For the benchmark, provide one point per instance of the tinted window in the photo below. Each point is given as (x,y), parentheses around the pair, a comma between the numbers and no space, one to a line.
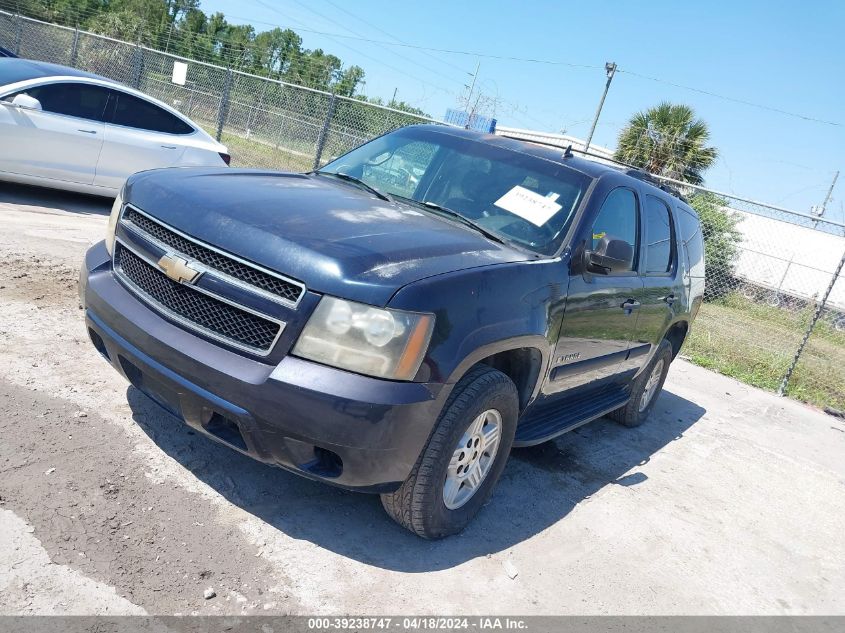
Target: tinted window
(617,218)
(79,100)
(138,113)
(693,242)
(659,235)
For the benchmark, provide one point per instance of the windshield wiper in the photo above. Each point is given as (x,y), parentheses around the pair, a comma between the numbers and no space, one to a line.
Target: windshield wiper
(457,216)
(357,181)
(452,214)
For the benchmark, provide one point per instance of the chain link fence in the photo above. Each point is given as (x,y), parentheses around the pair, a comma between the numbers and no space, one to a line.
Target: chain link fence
(774,311)
(264,122)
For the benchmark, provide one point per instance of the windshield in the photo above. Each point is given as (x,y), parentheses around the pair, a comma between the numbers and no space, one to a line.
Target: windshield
(521,198)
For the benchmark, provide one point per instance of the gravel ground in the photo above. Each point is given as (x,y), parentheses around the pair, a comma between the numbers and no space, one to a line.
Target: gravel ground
(729,500)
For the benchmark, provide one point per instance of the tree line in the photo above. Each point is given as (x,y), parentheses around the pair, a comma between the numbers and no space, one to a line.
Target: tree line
(182,28)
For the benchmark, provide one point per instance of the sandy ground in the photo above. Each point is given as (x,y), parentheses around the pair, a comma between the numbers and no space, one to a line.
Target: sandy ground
(728,501)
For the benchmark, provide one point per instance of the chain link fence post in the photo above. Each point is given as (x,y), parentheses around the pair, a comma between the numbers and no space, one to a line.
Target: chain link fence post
(18,34)
(223,110)
(74,49)
(137,66)
(324,132)
(819,308)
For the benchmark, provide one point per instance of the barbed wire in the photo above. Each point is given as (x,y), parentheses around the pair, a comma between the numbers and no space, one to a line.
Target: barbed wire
(774,310)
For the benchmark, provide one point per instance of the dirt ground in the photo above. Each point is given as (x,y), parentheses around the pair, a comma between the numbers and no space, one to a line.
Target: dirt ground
(728,501)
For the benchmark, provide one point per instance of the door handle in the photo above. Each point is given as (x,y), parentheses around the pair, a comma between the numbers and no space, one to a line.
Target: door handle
(168,146)
(87,131)
(670,299)
(629,305)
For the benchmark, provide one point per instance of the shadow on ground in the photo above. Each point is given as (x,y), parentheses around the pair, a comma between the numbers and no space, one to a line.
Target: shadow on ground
(539,487)
(26,196)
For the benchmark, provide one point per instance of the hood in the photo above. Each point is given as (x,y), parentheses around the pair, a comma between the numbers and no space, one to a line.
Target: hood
(335,237)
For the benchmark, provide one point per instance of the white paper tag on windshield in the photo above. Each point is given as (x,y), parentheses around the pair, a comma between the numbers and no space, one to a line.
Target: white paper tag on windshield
(528,205)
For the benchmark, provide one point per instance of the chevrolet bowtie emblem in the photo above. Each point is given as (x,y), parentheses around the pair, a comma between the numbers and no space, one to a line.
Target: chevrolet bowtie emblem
(178,269)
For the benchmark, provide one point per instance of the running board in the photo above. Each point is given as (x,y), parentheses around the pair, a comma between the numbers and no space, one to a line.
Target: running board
(547,422)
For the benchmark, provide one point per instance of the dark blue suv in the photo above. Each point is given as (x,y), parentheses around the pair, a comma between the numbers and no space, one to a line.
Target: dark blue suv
(398,320)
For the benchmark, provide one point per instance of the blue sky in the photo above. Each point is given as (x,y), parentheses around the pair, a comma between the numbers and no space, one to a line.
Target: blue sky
(788,56)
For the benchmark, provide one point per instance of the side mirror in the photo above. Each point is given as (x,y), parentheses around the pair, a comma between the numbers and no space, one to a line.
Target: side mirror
(612,255)
(25,101)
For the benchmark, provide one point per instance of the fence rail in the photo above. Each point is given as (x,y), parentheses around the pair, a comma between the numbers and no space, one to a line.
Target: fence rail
(774,314)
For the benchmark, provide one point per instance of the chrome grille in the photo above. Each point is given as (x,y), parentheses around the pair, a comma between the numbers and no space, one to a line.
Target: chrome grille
(194,308)
(284,289)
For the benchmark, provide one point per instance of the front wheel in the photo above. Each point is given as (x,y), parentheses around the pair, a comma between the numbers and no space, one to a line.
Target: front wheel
(455,475)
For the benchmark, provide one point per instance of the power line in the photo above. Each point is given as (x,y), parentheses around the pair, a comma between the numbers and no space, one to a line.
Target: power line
(529,60)
(391,36)
(393,52)
(733,99)
(378,61)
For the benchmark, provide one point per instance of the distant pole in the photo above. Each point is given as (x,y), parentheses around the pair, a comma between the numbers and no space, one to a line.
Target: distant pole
(393,100)
(610,69)
(823,208)
(471,90)
(824,204)
(169,35)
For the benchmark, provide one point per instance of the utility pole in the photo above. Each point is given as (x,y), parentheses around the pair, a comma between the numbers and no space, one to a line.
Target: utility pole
(393,100)
(610,69)
(829,193)
(819,211)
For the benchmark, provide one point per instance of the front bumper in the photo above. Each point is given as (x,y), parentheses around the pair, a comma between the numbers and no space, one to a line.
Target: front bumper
(349,430)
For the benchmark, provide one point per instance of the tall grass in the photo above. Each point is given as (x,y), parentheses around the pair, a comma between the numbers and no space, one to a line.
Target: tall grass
(756,343)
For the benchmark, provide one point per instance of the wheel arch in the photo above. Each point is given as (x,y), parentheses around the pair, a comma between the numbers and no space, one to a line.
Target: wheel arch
(676,335)
(524,360)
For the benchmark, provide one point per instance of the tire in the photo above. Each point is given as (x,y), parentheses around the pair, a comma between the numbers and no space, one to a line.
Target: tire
(419,504)
(749,292)
(633,414)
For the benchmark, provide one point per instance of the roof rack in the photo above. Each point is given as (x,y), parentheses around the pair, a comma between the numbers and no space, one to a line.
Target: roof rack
(631,170)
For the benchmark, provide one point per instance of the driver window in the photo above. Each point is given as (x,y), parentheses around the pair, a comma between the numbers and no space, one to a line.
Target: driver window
(617,218)
(399,172)
(79,100)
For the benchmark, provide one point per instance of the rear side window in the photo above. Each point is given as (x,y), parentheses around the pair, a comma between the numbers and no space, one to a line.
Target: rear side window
(693,241)
(617,218)
(658,235)
(130,111)
(71,99)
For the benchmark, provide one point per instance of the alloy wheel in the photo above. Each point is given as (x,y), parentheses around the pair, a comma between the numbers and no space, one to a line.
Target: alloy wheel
(472,459)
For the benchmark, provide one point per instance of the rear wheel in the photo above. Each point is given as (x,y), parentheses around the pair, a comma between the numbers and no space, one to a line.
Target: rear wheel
(455,475)
(646,388)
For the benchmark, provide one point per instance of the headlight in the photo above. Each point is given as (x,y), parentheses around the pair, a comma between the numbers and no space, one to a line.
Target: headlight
(115,213)
(360,338)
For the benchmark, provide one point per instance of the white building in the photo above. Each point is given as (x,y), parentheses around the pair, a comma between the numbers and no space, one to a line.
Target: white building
(559,140)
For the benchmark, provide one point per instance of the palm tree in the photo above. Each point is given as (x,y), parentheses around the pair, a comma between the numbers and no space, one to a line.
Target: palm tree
(668,141)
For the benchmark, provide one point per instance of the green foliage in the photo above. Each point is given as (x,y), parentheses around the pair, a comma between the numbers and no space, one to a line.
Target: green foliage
(721,242)
(668,141)
(122,25)
(396,105)
(182,28)
(727,336)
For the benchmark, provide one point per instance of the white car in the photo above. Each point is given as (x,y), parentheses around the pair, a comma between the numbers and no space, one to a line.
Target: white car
(64,128)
